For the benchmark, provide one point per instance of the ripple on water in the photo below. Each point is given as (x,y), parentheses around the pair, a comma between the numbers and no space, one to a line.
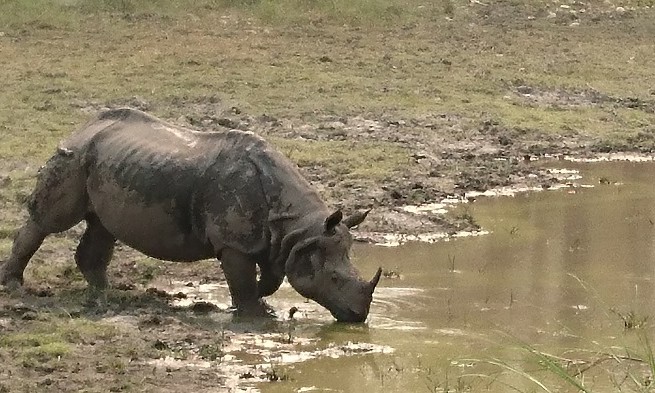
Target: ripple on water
(388,302)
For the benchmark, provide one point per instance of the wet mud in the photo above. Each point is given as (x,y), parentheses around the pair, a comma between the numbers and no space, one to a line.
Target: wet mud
(171,323)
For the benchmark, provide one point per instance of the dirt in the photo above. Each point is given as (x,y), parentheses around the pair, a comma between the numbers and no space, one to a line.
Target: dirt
(161,330)
(156,344)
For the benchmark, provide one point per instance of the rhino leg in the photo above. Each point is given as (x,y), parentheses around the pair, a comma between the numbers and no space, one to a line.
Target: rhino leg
(28,239)
(94,253)
(270,280)
(58,202)
(241,275)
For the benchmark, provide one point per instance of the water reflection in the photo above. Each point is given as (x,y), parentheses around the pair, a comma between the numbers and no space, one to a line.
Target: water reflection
(558,271)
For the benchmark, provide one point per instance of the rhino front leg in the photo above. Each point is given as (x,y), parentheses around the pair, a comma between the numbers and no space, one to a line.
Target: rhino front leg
(241,275)
(270,279)
(93,255)
(28,239)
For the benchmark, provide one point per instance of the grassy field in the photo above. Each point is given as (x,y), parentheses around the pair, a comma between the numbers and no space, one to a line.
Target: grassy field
(380,102)
(589,71)
(443,79)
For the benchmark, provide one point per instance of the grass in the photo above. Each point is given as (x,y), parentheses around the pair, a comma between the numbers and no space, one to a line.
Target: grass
(600,367)
(620,369)
(50,340)
(375,161)
(636,365)
(302,60)
(385,57)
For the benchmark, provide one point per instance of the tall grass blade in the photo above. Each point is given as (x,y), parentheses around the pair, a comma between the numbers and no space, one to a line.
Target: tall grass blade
(509,367)
(557,369)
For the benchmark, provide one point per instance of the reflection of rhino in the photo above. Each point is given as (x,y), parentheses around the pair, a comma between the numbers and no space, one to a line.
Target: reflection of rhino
(183,195)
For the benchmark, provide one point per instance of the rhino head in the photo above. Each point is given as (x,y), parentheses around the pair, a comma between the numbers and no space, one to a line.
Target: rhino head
(319,268)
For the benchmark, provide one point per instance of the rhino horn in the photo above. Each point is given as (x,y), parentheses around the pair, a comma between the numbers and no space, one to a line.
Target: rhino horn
(376,279)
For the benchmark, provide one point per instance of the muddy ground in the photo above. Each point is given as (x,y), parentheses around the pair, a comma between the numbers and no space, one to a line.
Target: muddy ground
(393,151)
(156,337)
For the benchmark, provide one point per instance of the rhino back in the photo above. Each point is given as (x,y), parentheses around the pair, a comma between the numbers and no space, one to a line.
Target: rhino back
(172,192)
(150,157)
(179,194)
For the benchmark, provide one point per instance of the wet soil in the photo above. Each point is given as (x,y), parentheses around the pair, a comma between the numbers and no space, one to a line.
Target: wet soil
(155,335)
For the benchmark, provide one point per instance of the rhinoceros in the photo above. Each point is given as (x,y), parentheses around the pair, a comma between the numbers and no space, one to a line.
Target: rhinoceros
(178,194)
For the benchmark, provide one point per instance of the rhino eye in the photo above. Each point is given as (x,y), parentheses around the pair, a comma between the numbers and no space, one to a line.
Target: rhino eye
(335,277)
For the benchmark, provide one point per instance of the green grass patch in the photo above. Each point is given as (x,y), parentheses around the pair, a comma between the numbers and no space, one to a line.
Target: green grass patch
(411,63)
(63,60)
(47,351)
(374,161)
(5,246)
(70,331)
(358,13)
(147,269)
(7,233)
(19,340)
(47,14)
(37,346)
(86,331)
(50,337)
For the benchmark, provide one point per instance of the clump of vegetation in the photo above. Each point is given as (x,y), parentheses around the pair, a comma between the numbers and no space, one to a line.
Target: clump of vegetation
(373,161)
(275,374)
(51,340)
(626,368)
(632,320)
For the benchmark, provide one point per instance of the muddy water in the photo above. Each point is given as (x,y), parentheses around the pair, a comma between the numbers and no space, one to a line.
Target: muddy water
(558,271)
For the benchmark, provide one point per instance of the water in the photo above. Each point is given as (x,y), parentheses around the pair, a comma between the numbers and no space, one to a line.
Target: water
(561,271)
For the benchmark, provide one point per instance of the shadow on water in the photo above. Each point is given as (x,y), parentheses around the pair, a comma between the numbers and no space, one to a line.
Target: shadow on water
(562,271)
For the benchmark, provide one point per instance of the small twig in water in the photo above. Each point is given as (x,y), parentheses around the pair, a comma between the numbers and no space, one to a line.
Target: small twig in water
(451,259)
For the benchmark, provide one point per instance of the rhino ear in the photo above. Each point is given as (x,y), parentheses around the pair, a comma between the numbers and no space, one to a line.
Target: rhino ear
(299,267)
(355,219)
(332,221)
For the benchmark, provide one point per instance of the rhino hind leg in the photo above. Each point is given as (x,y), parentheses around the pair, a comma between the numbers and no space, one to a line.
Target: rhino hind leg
(241,274)
(58,202)
(28,239)
(94,253)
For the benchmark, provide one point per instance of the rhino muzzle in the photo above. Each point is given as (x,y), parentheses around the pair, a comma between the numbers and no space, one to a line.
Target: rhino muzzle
(350,316)
(357,314)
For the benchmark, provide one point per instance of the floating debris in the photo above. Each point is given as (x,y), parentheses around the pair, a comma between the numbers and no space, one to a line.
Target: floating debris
(428,208)
(606,157)
(396,239)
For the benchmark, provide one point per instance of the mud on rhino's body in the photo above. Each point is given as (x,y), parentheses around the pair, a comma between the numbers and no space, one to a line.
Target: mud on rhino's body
(182,195)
